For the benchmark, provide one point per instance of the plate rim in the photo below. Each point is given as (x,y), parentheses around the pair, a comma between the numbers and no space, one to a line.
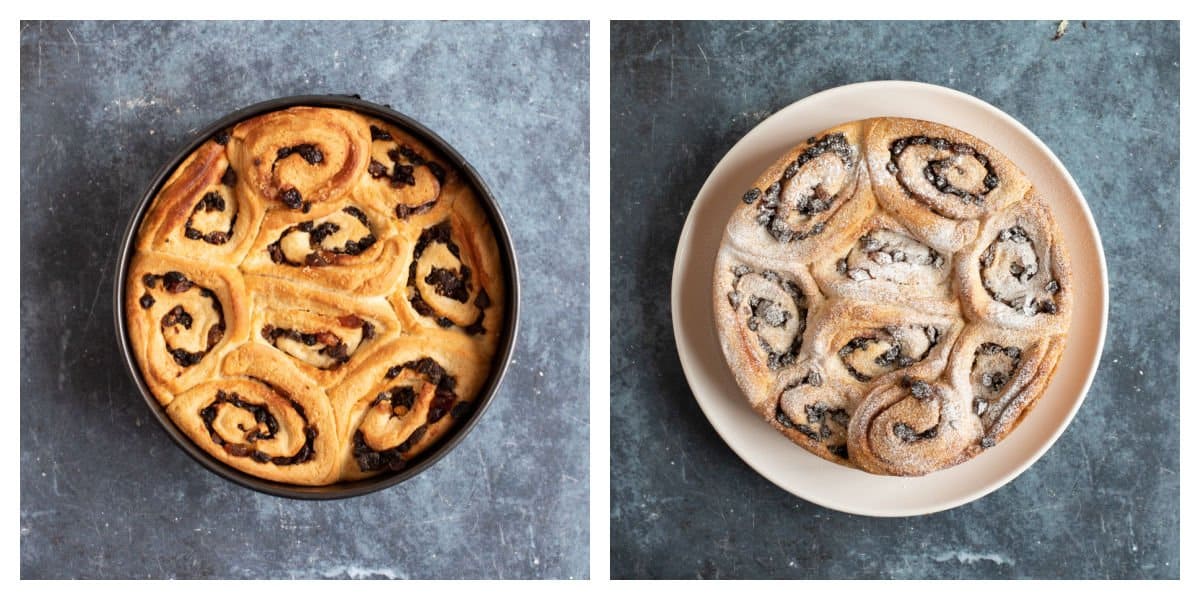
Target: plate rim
(1089,222)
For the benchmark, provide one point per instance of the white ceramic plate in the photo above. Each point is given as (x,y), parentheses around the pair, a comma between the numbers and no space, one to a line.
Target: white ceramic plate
(771,454)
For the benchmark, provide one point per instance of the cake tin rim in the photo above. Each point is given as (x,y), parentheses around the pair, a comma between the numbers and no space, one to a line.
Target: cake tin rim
(500,361)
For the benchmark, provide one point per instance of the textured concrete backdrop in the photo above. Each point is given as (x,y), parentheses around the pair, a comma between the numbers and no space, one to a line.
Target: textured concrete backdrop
(104,492)
(1103,502)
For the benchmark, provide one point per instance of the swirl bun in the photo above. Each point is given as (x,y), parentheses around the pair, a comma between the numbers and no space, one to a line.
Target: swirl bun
(892,295)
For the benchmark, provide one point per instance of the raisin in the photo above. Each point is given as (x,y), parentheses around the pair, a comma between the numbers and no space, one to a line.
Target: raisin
(175,282)
(920,390)
(309,152)
(291,197)
(376,169)
(229,178)
(482,300)
(379,134)
(447,283)
(147,300)
(752,195)
(411,155)
(402,175)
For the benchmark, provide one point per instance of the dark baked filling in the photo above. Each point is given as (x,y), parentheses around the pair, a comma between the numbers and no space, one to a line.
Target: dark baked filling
(774,309)
(213,201)
(402,172)
(822,423)
(336,351)
(887,349)
(266,426)
(941,166)
(791,207)
(174,283)
(992,370)
(312,155)
(906,432)
(318,233)
(445,401)
(453,283)
(893,256)
(1011,274)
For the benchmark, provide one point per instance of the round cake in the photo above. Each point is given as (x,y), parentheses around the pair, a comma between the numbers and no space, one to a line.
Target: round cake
(893,295)
(315,295)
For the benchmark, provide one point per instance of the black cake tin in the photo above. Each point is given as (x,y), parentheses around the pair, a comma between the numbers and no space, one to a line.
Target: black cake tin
(500,362)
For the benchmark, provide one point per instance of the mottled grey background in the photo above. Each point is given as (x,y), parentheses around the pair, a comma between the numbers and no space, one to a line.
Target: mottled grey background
(104,492)
(1102,503)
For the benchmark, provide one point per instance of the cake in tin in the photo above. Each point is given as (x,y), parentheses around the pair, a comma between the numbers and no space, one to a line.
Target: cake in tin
(893,295)
(314,296)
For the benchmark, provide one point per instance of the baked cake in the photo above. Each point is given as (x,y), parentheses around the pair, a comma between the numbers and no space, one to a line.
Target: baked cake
(315,296)
(893,295)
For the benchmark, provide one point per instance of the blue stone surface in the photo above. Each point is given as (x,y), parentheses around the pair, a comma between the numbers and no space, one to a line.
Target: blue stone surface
(1102,503)
(104,491)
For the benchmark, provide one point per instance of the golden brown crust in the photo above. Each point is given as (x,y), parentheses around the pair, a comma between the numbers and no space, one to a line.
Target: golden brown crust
(260,417)
(907,298)
(197,214)
(361,257)
(406,177)
(401,399)
(286,307)
(463,243)
(318,153)
(182,317)
(343,330)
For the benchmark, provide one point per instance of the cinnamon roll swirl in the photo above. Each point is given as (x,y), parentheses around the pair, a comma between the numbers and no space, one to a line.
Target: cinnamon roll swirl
(808,199)
(407,178)
(1017,273)
(767,307)
(182,317)
(198,213)
(919,323)
(343,245)
(402,399)
(299,157)
(938,180)
(450,281)
(316,296)
(261,417)
(911,427)
(325,335)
